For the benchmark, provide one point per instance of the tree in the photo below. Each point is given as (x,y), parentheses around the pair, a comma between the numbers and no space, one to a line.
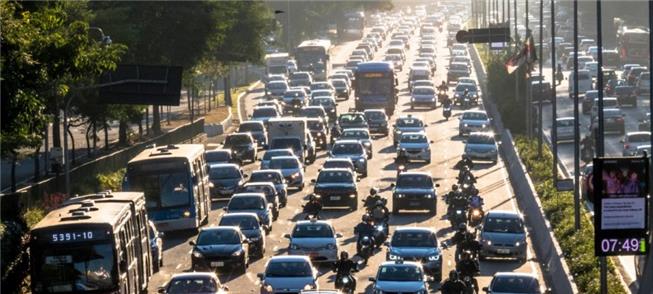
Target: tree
(46,52)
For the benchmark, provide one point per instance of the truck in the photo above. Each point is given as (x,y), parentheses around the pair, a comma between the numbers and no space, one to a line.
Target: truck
(277,63)
(292,133)
(375,87)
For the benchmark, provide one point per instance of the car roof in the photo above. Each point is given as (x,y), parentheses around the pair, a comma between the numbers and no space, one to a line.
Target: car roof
(267,171)
(416,173)
(218,151)
(255,122)
(504,213)
(282,258)
(284,157)
(348,141)
(224,165)
(515,274)
(240,214)
(221,228)
(402,263)
(356,130)
(413,229)
(313,221)
(247,195)
(373,110)
(194,275)
(475,111)
(259,184)
(424,87)
(637,133)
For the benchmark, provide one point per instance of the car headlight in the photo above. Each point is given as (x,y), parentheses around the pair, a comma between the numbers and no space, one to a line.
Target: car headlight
(483,126)
(434,257)
(331,246)
(345,280)
(197,254)
(465,125)
(367,143)
(361,160)
(517,244)
(294,247)
(400,195)
(352,196)
(186,213)
(295,175)
(237,252)
(487,242)
(428,196)
(394,257)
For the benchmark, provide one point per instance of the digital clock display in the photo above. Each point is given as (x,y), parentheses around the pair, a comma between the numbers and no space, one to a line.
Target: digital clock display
(623,245)
(75,236)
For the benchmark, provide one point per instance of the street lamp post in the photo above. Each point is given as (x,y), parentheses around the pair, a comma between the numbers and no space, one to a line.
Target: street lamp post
(106,41)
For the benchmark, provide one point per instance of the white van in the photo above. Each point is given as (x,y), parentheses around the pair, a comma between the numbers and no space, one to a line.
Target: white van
(584,82)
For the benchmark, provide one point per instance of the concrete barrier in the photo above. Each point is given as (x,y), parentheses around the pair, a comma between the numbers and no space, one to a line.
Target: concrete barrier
(547,249)
(216,129)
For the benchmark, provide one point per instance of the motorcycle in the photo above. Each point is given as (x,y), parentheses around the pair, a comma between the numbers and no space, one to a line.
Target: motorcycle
(380,233)
(467,103)
(312,211)
(476,216)
(446,111)
(457,217)
(378,211)
(365,247)
(471,285)
(346,283)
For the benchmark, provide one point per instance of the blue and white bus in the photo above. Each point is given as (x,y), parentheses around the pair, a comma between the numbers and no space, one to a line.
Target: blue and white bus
(376,86)
(314,56)
(175,181)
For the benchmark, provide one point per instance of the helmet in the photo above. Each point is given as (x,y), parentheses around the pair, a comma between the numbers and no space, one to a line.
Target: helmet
(462,227)
(454,187)
(379,202)
(312,197)
(453,275)
(374,191)
(365,218)
(344,255)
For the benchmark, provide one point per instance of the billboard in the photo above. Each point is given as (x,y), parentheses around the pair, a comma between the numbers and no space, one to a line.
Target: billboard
(621,206)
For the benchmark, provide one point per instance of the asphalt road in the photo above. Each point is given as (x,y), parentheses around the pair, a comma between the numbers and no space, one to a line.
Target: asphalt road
(447,148)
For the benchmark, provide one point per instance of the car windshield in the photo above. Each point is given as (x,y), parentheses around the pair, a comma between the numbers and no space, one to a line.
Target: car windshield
(462,87)
(216,237)
(300,76)
(335,177)
(312,112)
(414,181)
(474,116)
(639,138)
(481,139)
(339,83)
(399,273)
(324,102)
(221,172)
(277,86)
(315,125)
(413,138)
(246,203)
(312,231)
(515,284)
(217,156)
(281,269)
(503,225)
(251,127)
(265,177)
(351,118)
(337,164)
(292,143)
(423,91)
(284,163)
(414,239)
(192,285)
(349,148)
(355,134)
(264,112)
(244,223)
(267,190)
(237,139)
(410,123)
(565,123)
(375,115)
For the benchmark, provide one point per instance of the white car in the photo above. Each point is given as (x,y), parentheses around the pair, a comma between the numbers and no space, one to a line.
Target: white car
(565,128)
(415,146)
(316,239)
(632,140)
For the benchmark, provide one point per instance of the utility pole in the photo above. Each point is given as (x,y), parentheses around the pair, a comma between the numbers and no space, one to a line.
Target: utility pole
(599,142)
(529,95)
(554,101)
(576,125)
(539,111)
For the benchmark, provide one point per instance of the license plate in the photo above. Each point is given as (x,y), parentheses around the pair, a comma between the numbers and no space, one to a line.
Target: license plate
(503,251)
(414,203)
(217,263)
(335,198)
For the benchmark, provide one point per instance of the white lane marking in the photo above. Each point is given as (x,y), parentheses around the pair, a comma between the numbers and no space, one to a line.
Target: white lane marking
(178,266)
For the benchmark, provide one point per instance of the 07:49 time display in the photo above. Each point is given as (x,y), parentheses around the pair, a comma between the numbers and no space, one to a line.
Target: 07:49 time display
(614,245)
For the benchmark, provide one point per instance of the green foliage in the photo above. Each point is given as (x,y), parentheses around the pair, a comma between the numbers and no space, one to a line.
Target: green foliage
(501,86)
(111,181)
(33,215)
(577,246)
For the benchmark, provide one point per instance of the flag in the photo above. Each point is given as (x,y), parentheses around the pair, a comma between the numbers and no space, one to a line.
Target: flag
(527,55)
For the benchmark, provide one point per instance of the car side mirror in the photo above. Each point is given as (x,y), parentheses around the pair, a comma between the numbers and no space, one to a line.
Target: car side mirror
(392,185)
(287,236)
(161,290)
(338,235)
(225,208)
(486,289)
(192,243)
(371,279)
(313,181)
(261,276)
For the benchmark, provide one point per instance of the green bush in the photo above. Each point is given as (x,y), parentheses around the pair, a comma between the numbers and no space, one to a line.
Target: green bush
(33,215)
(111,181)
(577,246)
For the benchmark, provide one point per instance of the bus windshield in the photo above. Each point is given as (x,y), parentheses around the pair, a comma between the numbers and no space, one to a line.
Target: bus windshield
(166,184)
(74,268)
(374,86)
(311,59)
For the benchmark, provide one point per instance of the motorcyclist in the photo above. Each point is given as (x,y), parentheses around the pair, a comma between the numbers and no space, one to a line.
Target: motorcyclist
(447,101)
(559,76)
(464,161)
(476,201)
(461,235)
(452,285)
(313,206)
(371,199)
(457,201)
(365,228)
(344,267)
(443,86)
(465,95)
(468,267)
(381,216)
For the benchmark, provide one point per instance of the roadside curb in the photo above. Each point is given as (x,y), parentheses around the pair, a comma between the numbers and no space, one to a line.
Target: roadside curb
(241,95)
(548,251)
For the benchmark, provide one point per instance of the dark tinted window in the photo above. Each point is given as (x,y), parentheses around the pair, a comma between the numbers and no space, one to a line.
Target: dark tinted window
(515,285)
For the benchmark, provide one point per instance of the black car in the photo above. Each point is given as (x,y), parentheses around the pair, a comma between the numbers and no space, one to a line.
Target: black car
(242,146)
(626,95)
(337,187)
(348,121)
(541,93)
(218,248)
(250,226)
(319,132)
(225,178)
(377,121)
(414,191)
(271,194)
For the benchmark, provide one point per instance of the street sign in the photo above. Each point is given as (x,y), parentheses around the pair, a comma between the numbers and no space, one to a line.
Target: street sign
(565,185)
(484,35)
(621,206)
(142,84)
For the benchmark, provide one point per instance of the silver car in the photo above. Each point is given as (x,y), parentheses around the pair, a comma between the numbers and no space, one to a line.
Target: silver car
(415,146)
(291,169)
(406,124)
(400,277)
(503,235)
(360,134)
(565,129)
(632,140)
(288,274)
(423,96)
(482,146)
(354,150)
(276,89)
(265,159)
(473,121)
(315,239)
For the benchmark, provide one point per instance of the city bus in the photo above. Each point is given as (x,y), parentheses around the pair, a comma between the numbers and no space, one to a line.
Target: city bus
(175,181)
(277,63)
(633,45)
(376,86)
(352,26)
(314,56)
(94,243)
